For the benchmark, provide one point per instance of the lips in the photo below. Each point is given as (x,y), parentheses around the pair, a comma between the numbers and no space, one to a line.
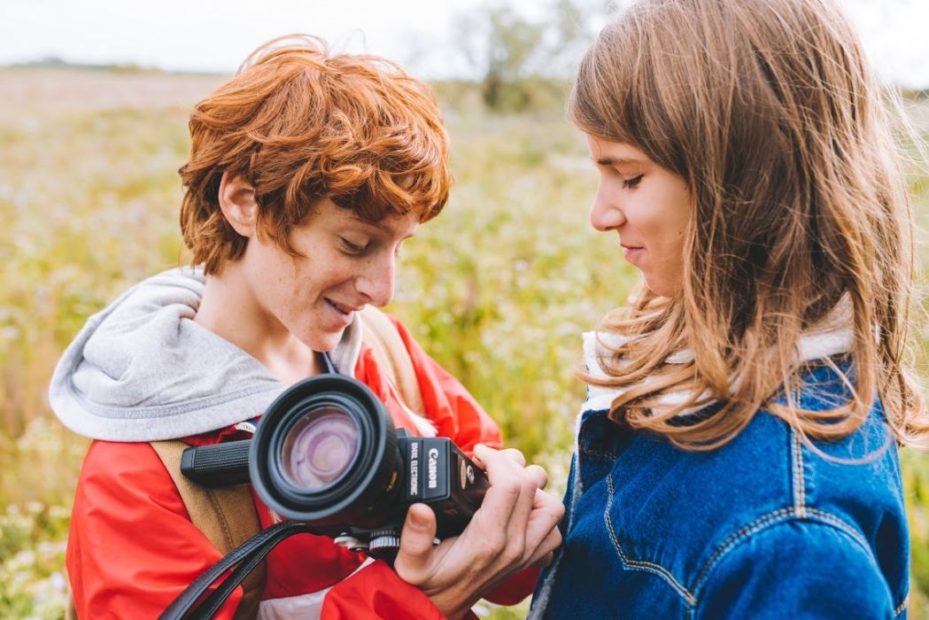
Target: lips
(633,253)
(343,308)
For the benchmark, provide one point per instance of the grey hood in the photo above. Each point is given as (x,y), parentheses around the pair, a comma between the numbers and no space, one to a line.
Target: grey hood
(142,370)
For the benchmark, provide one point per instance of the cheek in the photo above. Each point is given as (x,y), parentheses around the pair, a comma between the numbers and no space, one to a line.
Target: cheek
(673,246)
(673,221)
(326,272)
(288,282)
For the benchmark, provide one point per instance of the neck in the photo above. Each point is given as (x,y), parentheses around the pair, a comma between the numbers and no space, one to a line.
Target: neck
(232,311)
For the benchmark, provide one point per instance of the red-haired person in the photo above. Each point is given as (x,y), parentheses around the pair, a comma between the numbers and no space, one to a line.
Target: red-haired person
(307,173)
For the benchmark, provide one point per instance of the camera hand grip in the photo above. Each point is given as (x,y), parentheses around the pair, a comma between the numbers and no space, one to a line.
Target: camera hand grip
(218,465)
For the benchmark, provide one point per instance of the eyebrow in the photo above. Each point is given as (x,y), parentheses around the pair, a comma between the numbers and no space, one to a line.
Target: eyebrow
(614,161)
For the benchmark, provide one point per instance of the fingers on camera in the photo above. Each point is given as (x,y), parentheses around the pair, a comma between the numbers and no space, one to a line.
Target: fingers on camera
(515,455)
(539,475)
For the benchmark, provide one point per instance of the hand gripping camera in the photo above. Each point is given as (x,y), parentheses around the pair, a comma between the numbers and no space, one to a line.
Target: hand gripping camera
(326,453)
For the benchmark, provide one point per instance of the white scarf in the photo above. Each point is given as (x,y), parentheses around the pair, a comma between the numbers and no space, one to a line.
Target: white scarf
(831,336)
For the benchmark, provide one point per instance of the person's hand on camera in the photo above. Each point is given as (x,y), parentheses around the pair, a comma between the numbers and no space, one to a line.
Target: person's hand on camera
(516,526)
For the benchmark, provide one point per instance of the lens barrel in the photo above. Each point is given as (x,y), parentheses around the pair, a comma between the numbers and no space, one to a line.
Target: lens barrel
(326,452)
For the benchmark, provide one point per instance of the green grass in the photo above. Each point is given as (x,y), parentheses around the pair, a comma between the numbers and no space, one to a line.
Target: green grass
(498,288)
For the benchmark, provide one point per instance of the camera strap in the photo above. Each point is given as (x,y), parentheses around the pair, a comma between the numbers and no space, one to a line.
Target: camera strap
(241,560)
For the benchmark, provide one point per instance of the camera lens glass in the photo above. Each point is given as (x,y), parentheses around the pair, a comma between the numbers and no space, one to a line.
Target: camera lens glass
(319,448)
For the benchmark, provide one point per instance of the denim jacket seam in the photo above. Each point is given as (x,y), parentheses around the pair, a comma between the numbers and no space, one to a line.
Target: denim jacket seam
(600,454)
(650,567)
(800,504)
(733,540)
(777,517)
(840,524)
(799,475)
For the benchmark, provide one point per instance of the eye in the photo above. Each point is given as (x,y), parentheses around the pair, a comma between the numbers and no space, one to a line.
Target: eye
(633,182)
(353,249)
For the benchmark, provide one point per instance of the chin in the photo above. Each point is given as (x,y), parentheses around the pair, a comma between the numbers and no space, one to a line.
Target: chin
(323,343)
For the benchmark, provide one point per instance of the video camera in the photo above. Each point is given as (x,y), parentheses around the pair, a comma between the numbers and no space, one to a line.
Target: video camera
(326,453)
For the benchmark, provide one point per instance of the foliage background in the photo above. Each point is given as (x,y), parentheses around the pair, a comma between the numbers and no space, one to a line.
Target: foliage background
(498,288)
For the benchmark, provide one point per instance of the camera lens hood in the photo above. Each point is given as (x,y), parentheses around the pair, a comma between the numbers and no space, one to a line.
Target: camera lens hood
(363,480)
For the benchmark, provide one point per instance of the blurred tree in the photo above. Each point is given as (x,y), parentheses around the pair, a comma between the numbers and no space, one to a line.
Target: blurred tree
(514,56)
(501,46)
(511,45)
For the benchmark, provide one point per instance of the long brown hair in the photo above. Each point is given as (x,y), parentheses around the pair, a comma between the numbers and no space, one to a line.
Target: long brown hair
(769,112)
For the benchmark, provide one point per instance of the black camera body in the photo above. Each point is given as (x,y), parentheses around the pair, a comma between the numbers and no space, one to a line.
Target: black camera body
(440,475)
(326,453)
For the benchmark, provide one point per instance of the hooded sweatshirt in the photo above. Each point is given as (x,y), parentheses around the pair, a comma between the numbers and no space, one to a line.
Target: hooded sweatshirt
(141,370)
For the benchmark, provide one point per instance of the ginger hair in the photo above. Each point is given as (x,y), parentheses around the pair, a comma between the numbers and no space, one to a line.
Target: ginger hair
(302,125)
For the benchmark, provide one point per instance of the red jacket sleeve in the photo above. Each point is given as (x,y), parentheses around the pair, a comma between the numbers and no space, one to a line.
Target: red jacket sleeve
(132,548)
(376,591)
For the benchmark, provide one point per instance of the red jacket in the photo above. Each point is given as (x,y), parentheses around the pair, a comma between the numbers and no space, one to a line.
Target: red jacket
(132,548)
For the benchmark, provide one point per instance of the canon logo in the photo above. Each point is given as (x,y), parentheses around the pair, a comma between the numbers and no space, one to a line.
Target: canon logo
(432,467)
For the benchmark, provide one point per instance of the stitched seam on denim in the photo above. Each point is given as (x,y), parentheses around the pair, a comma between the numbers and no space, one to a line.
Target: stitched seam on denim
(797,468)
(902,606)
(733,539)
(845,526)
(774,518)
(610,456)
(650,567)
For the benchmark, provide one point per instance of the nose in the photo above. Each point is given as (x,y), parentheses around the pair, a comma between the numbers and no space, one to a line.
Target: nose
(376,282)
(605,214)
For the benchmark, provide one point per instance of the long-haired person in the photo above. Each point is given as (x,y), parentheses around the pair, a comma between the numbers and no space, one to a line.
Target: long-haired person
(737,453)
(308,170)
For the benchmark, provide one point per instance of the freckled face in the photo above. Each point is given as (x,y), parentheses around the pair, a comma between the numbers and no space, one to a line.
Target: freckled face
(648,206)
(347,263)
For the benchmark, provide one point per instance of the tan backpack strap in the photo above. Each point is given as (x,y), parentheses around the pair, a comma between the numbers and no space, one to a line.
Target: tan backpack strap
(226,516)
(382,336)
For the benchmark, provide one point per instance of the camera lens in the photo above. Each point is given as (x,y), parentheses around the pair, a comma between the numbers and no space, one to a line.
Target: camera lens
(325,452)
(319,448)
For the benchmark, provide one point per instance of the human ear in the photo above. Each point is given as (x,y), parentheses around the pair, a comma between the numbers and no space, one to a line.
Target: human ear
(238,204)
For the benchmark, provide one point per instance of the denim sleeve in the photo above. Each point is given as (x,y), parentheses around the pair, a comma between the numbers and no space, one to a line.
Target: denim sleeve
(795,570)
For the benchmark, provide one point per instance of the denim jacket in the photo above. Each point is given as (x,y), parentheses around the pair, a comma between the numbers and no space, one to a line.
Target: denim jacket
(763,527)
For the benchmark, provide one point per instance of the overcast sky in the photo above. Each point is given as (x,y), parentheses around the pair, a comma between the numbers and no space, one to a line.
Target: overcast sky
(215,35)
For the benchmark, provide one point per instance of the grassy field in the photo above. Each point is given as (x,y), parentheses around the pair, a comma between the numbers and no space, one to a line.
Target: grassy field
(497,288)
